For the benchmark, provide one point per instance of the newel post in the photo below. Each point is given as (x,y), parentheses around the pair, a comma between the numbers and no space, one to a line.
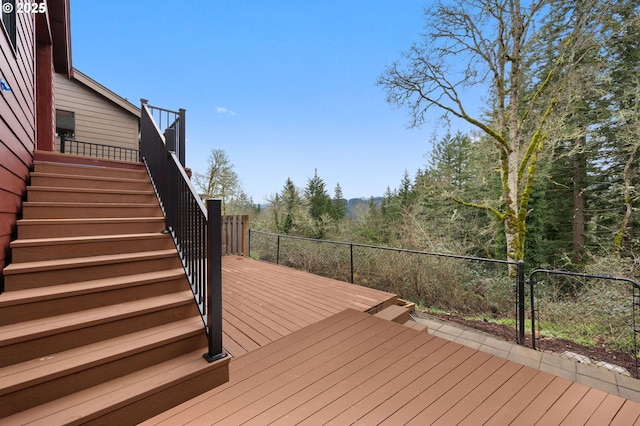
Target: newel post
(182,135)
(214,281)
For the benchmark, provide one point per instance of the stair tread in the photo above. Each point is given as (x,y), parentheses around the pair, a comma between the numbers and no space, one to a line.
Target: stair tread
(31,295)
(91,220)
(44,265)
(72,204)
(393,313)
(28,242)
(416,325)
(143,178)
(91,190)
(101,399)
(28,330)
(124,320)
(32,372)
(85,167)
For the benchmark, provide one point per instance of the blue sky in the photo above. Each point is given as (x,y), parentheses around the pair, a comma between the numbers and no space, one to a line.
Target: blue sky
(283,86)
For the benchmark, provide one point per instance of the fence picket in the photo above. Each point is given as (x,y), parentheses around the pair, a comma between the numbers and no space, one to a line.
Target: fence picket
(234,235)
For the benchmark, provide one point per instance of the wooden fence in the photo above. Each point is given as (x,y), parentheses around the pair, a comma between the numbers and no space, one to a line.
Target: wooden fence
(234,235)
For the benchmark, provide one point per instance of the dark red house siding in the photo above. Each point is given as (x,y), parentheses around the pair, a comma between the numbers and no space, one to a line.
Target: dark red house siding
(17,124)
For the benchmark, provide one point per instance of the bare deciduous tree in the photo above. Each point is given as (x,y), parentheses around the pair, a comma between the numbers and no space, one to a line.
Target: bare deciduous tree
(220,180)
(483,43)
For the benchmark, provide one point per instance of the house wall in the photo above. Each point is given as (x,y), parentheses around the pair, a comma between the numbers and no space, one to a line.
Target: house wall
(97,119)
(17,124)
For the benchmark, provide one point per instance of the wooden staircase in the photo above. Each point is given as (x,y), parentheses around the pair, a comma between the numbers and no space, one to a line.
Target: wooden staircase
(97,321)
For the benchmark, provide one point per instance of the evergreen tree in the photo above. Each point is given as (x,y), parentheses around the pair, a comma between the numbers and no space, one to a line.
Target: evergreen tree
(339,204)
(406,193)
(290,197)
(319,204)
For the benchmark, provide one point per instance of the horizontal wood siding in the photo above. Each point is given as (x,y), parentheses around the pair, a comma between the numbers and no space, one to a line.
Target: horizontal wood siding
(17,125)
(97,119)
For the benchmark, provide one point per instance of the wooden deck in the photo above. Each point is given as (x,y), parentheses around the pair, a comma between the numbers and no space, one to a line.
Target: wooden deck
(354,368)
(263,302)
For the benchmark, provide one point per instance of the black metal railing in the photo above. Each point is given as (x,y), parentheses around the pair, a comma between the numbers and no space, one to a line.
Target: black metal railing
(195,229)
(174,125)
(418,276)
(97,150)
(591,309)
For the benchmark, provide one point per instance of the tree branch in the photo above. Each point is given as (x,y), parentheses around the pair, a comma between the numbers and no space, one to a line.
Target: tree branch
(490,209)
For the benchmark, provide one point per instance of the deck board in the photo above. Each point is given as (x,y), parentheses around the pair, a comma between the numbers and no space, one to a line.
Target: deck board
(521,400)
(305,352)
(534,411)
(584,409)
(606,411)
(443,403)
(352,386)
(407,358)
(479,395)
(263,302)
(627,415)
(354,368)
(564,404)
(499,397)
(431,394)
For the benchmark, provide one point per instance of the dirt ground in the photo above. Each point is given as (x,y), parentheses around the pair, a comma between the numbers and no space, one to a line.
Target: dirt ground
(559,346)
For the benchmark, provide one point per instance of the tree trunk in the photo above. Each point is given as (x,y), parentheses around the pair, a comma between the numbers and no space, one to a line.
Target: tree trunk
(627,221)
(578,222)
(512,225)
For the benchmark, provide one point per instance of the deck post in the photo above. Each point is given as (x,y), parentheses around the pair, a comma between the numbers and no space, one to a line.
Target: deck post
(182,135)
(248,253)
(245,231)
(351,259)
(214,280)
(278,252)
(520,298)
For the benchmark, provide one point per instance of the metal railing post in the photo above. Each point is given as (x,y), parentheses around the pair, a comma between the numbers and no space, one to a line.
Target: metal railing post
(351,258)
(214,281)
(63,140)
(248,253)
(278,252)
(182,135)
(170,139)
(533,311)
(521,316)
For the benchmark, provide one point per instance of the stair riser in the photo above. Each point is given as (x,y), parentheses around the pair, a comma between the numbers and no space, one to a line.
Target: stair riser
(152,405)
(71,212)
(74,182)
(89,197)
(64,169)
(139,375)
(47,345)
(42,393)
(91,248)
(82,229)
(21,281)
(29,311)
